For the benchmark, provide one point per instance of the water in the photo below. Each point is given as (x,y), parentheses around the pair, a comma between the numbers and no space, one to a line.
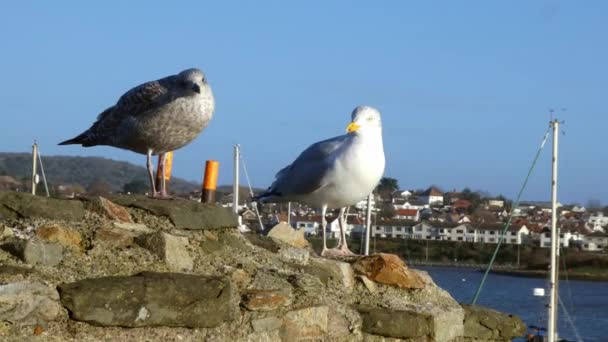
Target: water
(586,302)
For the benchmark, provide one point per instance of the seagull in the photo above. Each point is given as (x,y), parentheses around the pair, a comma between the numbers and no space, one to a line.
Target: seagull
(154,118)
(335,173)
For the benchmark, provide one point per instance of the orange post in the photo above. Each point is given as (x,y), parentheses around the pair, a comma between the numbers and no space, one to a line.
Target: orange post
(168,167)
(210,181)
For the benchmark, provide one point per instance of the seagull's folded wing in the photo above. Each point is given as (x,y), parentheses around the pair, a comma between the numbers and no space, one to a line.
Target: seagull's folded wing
(309,171)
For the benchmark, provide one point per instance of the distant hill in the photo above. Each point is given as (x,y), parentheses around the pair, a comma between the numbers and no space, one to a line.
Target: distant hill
(84,171)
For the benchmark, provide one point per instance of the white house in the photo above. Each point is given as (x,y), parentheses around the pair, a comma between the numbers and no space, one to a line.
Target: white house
(431,196)
(566,238)
(597,222)
(595,242)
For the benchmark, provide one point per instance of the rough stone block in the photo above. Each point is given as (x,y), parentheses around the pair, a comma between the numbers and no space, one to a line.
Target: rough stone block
(265,300)
(110,210)
(151,299)
(64,236)
(35,252)
(183,214)
(341,271)
(388,269)
(487,324)
(308,323)
(169,248)
(29,303)
(294,255)
(284,233)
(22,204)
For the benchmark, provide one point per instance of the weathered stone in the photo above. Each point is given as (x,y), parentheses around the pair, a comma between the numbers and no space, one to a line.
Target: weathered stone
(265,300)
(396,323)
(20,204)
(29,303)
(264,336)
(369,285)
(64,236)
(110,210)
(5,232)
(284,233)
(35,252)
(151,299)
(337,324)
(183,214)
(307,323)
(239,276)
(136,228)
(388,269)
(266,324)
(341,271)
(115,237)
(487,324)
(169,248)
(296,255)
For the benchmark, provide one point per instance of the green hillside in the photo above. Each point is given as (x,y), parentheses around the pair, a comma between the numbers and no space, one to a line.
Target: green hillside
(83,171)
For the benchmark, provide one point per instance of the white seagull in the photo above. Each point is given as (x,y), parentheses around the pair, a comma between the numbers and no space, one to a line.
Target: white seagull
(335,173)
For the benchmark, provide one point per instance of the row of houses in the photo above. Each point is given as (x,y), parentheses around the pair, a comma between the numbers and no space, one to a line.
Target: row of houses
(466,232)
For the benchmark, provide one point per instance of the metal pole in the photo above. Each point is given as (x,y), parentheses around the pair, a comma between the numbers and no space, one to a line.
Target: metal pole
(368,223)
(235,184)
(554,239)
(34,164)
(289,213)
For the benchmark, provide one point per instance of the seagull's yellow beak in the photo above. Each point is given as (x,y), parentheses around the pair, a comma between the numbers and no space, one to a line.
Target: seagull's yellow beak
(352,127)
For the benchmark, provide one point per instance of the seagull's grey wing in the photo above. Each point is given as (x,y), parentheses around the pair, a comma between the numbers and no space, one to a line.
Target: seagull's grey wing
(144,97)
(135,102)
(307,173)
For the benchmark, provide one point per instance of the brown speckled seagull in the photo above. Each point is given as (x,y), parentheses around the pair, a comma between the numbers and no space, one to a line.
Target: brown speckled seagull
(154,118)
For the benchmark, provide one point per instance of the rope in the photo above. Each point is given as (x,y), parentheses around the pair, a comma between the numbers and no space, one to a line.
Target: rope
(46,187)
(569,319)
(255,207)
(508,224)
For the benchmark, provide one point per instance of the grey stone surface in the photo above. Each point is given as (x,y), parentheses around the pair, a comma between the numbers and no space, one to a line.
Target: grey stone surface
(266,323)
(305,324)
(169,248)
(29,303)
(35,252)
(183,214)
(487,324)
(284,233)
(341,271)
(20,204)
(295,255)
(396,323)
(151,299)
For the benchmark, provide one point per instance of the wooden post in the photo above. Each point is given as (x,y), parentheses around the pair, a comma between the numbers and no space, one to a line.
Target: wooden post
(210,181)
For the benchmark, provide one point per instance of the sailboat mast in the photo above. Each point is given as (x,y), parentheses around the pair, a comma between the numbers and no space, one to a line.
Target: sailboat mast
(235,181)
(554,239)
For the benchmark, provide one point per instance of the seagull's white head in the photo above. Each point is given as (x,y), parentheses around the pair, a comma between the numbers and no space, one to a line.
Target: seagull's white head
(193,80)
(364,119)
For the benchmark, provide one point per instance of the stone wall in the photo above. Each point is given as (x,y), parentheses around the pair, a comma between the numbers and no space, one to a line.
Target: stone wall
(129,268)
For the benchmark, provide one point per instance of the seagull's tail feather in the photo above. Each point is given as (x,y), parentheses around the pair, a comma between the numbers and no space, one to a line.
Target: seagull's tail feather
(83,139)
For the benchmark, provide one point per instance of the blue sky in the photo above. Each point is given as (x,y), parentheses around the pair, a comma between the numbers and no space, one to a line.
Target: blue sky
(464,87)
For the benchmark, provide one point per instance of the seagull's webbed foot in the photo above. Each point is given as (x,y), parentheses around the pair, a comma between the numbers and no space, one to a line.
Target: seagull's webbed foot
(160,195)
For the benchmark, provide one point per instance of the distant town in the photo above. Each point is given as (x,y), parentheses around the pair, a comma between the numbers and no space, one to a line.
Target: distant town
(432,214)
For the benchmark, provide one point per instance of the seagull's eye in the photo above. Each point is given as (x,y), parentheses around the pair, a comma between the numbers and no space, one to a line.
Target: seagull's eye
(370,119)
